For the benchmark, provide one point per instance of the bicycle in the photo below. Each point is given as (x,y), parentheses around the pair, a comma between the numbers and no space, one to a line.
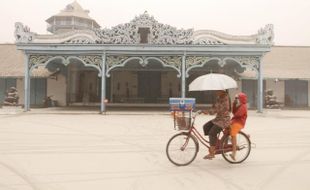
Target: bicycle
(183,147)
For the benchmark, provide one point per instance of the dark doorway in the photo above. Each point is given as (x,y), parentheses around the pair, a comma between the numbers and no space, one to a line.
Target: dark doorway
(296,93)
(89,89)
(38,88)
(249,87)
(149,86)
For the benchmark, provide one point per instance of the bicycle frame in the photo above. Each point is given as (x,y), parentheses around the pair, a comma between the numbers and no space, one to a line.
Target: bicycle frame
(204,141)
(201,139)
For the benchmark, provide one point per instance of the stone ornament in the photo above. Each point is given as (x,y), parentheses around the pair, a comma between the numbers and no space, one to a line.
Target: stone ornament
(265,35)
(11,98)
(22,33)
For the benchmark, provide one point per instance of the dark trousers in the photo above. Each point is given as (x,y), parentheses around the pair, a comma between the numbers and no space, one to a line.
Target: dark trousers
(212,130)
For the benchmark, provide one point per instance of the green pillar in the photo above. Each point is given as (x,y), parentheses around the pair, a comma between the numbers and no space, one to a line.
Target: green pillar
(183,77)
(103,86)
(26,84)
(260,88)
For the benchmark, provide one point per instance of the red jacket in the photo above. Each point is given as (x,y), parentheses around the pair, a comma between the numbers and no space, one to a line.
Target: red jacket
(240,112)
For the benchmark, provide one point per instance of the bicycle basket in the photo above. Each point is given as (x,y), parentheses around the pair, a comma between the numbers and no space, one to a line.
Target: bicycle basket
(183,123)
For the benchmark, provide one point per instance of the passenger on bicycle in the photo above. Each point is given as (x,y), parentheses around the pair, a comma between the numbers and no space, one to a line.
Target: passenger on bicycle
(240,113)
(222,120)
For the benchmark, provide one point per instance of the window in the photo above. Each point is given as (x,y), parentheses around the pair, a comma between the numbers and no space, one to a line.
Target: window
(144,34)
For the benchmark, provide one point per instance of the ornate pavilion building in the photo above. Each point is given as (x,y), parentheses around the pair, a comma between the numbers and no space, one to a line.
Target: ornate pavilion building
(140,62)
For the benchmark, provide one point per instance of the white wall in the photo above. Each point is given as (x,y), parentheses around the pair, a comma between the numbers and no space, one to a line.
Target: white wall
(58,89)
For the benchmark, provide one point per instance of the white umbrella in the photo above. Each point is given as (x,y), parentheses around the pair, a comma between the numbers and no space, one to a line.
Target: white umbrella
(213,81)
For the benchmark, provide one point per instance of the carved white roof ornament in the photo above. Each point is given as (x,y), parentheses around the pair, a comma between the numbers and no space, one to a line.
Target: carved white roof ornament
(210,37)
(159,34)
(265,35)
(22,33)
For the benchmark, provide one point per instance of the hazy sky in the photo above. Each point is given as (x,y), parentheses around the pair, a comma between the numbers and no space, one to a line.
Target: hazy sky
(291,18)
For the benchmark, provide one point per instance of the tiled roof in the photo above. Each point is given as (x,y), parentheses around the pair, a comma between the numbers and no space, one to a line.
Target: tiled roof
(12,63)
(287,62)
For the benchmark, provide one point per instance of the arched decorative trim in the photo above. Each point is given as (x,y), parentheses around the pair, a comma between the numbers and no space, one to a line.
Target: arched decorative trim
(143,61)
(247,62)
(163,64)
(43,60)
(80,39)
(116,62)
(199,63)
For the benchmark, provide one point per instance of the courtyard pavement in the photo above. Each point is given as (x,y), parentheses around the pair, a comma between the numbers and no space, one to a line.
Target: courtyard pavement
(125,150)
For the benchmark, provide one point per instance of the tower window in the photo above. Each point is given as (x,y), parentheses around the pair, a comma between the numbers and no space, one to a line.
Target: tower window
(144,34)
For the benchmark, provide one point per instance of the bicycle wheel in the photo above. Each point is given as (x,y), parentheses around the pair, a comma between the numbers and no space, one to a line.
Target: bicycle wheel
(243,148)
(182,149)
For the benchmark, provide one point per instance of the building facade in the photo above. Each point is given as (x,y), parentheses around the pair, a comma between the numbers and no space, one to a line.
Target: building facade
(141,62)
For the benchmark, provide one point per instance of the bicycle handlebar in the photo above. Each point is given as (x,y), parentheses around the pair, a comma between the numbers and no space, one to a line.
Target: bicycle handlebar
(198,112)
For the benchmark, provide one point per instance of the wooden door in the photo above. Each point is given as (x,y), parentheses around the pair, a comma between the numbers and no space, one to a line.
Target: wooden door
(37,91)
(296,93)
(149,86)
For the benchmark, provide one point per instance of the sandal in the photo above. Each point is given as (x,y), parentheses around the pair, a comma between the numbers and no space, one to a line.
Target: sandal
(209,157)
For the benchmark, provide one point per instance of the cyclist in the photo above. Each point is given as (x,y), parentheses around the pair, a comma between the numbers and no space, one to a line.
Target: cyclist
(222,120)
(240,113)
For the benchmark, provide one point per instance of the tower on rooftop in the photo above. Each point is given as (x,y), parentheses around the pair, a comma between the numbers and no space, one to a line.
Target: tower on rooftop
(73,17)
